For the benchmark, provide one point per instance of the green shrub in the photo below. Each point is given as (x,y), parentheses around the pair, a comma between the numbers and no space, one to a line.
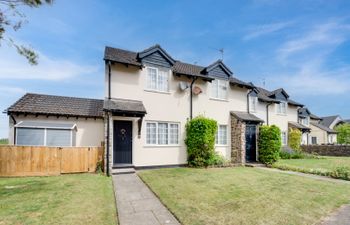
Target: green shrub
(200,141)
(294,139)
(217,160)
(343,136)
(269,143)
(341,173)
(297,155)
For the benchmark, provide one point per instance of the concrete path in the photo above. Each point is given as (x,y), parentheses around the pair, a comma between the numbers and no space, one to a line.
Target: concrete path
(340,217)
(137,205)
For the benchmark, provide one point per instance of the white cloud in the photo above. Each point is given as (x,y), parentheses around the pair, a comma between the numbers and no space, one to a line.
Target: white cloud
(323,36)
(11,90)
(265,29)
(14,66)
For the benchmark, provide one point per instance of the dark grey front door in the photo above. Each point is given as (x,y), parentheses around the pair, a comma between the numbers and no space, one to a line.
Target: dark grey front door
(122,142)
(250,142)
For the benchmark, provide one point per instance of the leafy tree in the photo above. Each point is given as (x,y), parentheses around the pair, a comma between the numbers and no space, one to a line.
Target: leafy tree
(12,18)
(343,136)
(294,139)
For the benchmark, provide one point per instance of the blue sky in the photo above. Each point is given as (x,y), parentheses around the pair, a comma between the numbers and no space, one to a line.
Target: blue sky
(302,46)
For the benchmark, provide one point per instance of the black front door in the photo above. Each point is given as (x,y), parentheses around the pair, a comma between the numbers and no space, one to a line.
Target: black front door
(122,142)
(250,142)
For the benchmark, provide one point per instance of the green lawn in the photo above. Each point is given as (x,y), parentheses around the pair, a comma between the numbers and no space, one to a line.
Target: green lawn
(66,199)
(3,141)
(244,196)
(326,166)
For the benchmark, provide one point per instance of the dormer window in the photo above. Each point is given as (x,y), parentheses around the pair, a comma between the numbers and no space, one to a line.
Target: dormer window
(157,79)
(305,121)
(253,103)
(281,108)
(219,89)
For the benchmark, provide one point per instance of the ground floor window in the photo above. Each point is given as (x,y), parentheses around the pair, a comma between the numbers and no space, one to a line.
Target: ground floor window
(221,135)
(162,133)
(45,134)
(284,137)
(314,140)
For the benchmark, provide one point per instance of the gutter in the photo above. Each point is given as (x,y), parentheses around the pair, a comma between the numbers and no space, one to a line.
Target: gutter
(248,108)
(267,113)
(108,126)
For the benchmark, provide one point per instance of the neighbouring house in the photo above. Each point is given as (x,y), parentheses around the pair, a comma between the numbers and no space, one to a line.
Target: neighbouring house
(276,108)
(47,120)
(321,133)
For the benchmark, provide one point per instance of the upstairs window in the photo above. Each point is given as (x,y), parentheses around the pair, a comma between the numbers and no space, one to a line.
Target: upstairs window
(157,79)
(305,121)
(253,103)
(219,89)
(281,108)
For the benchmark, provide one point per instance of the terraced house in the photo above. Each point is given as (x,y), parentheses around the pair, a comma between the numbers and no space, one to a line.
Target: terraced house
(149,97)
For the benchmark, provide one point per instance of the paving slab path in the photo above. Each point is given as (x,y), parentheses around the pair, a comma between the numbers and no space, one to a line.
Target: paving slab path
(340,217)
(136,203)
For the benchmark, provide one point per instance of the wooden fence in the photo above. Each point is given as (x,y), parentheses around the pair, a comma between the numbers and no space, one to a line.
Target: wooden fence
(45,161)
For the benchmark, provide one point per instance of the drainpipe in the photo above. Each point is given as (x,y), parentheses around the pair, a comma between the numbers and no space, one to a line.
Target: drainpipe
(109,79)
(248,108)
(108,126)
(14,129)
(191,97)
(267,113)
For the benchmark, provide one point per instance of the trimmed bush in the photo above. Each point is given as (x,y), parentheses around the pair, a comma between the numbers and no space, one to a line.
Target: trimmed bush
(294,139)
(269,143)
(343,136)
(297,155)
(200,141)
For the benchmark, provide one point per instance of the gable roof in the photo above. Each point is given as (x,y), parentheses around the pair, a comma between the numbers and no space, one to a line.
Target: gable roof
(153,49)
(179,68)
(322,127)
(269,96)
(328,120)
(39,104)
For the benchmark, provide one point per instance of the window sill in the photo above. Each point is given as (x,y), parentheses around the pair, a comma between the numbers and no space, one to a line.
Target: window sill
(219,99)
(161,146)
(221,145)
(159,92)
(281,114)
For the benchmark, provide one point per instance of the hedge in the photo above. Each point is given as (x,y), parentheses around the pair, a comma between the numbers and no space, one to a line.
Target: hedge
(269,143)
(200,141)
(294,139)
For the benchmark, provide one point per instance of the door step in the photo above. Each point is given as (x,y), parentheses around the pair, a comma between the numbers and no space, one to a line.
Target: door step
(123,170)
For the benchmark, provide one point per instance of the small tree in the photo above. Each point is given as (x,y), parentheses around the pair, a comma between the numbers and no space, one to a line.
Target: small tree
(200,141)
(294,139)
(343,136)
(269,143)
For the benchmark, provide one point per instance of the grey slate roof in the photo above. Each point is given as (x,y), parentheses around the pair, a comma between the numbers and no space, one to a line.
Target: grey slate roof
(328,120)
(124,106)
(180,68)
(322,127)
(267,96)
(244,116)
(313,116)
(57,105)
(298,125)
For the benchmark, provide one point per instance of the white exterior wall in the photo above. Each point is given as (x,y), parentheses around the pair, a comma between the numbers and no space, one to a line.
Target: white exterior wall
(90,132)
(173,106)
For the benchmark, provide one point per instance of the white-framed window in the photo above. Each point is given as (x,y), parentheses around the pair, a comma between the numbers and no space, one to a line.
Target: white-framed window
(314,140)
(305,121)
(281,108)
(157,79)
(162,133)
(44,136)
(219,89)
(253,103)
(221,135)
(284,137)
